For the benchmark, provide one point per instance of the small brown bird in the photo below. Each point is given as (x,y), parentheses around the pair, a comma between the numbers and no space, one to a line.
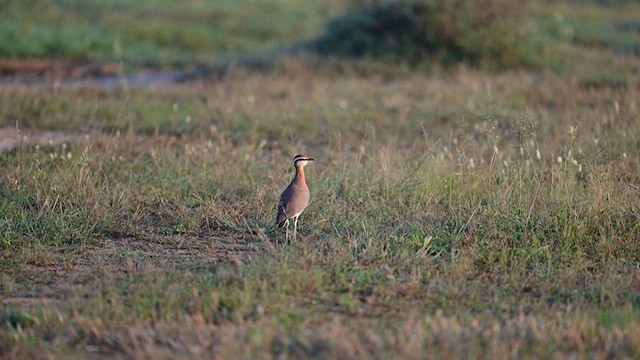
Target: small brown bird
(295,197)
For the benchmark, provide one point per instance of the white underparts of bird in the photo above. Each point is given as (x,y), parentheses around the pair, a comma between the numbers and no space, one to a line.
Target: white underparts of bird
(295,197)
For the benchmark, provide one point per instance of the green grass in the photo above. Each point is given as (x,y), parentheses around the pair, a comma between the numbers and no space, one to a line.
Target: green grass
(434,226)
(155,33)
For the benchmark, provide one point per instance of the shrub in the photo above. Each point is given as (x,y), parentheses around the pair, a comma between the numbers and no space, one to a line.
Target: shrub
(488,33)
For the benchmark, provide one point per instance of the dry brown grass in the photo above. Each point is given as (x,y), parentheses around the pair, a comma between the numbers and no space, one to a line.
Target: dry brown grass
(442,223)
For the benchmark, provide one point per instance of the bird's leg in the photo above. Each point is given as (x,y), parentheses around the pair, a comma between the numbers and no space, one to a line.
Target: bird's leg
(295,228)
(286,236)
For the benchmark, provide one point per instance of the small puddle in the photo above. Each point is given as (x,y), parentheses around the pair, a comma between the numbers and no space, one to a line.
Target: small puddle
(138,79)
(60,71)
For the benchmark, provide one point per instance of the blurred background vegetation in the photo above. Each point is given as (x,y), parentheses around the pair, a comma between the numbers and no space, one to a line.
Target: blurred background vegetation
(493,34)
(154,32)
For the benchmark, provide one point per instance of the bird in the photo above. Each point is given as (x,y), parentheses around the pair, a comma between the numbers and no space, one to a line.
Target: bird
(295,197)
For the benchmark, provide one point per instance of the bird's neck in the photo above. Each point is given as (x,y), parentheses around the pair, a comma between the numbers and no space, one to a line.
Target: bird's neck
(299,174)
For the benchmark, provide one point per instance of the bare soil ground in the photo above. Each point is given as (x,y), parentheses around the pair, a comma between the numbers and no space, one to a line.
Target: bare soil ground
(71,272)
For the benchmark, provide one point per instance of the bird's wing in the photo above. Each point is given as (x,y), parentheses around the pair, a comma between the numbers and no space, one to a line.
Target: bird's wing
(281,218)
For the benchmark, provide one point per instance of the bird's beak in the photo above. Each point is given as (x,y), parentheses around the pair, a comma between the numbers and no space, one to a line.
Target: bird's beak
(309,159)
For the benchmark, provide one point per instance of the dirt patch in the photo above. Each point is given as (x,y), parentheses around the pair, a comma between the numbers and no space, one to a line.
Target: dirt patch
(78,273)
(55,68)
(11,138)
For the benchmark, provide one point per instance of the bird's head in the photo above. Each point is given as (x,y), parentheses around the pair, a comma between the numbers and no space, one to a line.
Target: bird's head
(301,160)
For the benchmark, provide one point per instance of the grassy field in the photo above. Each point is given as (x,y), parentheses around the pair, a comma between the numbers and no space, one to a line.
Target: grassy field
(155,32)
(454,212)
